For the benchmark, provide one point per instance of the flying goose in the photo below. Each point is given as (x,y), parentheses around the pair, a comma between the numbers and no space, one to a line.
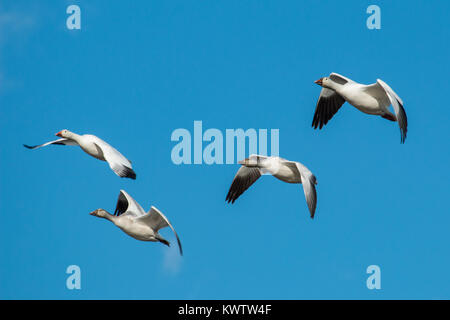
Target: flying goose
(95,147)
(134,221)
(371,99)
(288,171)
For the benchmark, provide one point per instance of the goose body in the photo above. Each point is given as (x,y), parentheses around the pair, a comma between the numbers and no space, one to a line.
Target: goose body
(131,218)
(95,147)
(361,100)
(133,228)
(373,99)
(287,171)
(90,144)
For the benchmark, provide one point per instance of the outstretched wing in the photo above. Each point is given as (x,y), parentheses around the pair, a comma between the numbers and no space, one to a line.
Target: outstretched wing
(397,104)
(308,181)
(117,162)
(127,205)
(156,220)
(244,178)
(63,142)
(328,104)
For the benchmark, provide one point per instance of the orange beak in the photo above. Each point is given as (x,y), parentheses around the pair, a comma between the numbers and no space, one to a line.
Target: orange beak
(243,161)
(58,134)
(319,82)
(92,213)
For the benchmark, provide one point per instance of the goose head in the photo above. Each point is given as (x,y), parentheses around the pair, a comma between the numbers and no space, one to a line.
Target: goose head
(250,162)
(324,82)
(63,133)
(101,213)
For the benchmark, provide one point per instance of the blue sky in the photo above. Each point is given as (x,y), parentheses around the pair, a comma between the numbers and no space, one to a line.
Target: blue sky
(137,71)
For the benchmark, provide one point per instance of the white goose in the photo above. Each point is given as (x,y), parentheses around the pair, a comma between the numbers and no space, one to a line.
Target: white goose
(288,171)
(371,99)
(134,221)
(95,147)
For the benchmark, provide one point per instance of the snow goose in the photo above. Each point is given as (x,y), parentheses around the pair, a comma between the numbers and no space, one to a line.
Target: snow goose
(371,99)
(95,147)
(288,171)
(134,221)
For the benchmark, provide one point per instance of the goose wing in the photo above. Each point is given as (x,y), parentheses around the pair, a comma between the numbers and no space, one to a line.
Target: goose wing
(329,102)
(117,162)
(63,142)
(127,205)
(336,77)
(397,104)
(157,220)
(309,182)
(244,178)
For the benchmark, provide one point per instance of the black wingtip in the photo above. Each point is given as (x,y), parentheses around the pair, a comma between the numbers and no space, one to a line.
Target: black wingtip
(122,204)
(27,146)
(230,198)
(312,213)
(164,241)
(129,173)
(402,136)
(233,194)
(179,246)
